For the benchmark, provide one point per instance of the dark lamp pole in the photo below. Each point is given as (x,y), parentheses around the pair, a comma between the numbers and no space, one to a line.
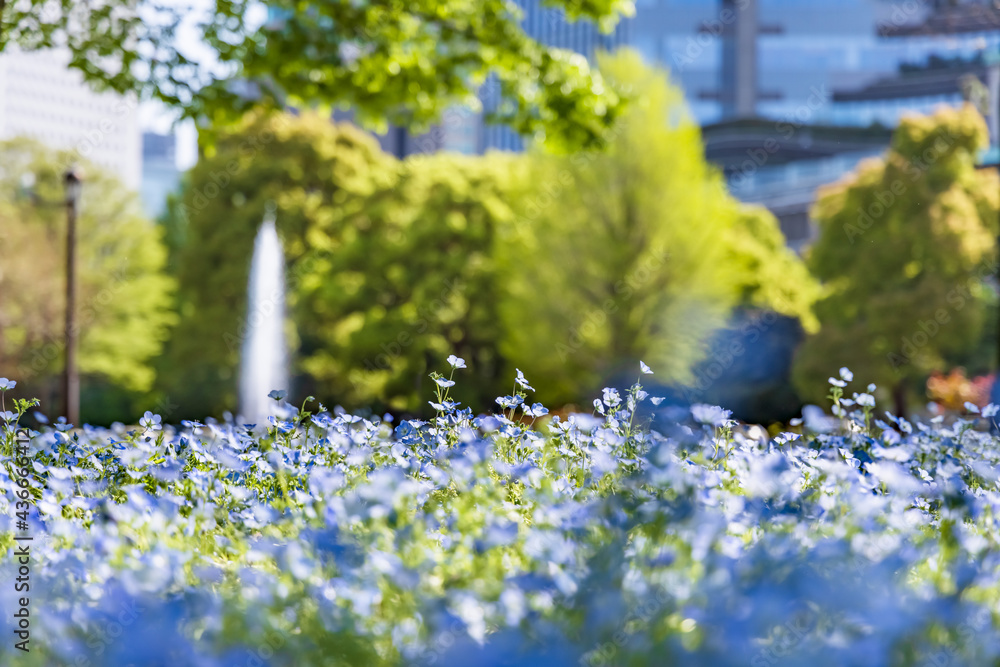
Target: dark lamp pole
(71,377)
(992,159)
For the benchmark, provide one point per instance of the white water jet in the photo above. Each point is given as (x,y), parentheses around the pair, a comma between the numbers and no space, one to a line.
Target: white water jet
(264,360)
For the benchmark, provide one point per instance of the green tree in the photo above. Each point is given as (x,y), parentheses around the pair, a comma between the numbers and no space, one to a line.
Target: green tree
(904,244)
(416,283)
(635,252)
(401,62)
(124,297)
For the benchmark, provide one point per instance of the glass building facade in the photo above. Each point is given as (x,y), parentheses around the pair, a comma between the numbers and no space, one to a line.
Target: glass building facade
(806,50)
(550,27)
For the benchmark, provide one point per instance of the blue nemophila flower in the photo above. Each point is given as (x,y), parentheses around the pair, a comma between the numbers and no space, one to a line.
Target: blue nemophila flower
(522,381)
(611,397)
(488,423)
(817,421)
(712,415)
(837,383)
(151,422)
(316,528)
(644,368)
(6,384)
(509,401)
(7,416)
(446,406)
(865,400)
(282,425)
(846,375)
(456,362)
(536,410)
(444,382)
(972,407)
(891,437)
(277,394)
(990,410)
(786,437)
(322,420)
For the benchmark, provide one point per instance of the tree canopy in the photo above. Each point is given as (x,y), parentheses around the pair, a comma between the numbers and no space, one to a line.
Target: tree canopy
(389,61)
(904,245)
(637,251)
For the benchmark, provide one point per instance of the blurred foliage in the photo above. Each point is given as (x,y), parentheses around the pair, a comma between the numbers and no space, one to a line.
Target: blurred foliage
(499,259)
(767,273)
(323,177)
(389,264)
(635,252)
(413,281)
(123,298)
(397,62)
(904,245)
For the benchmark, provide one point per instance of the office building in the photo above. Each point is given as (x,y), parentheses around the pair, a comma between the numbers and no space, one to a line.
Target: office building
(160,176)
(41,98)
(550,27)
(820,83)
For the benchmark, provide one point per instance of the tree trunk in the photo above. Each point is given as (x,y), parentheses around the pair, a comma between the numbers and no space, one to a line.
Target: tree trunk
(899,398)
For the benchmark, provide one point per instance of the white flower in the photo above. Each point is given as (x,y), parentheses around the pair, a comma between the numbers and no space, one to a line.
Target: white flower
(522,381)
(151,422)
(865,400)
(644,368)
(456,362)
(710,414)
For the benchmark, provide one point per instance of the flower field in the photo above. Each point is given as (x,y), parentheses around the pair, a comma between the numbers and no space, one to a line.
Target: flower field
(518,538)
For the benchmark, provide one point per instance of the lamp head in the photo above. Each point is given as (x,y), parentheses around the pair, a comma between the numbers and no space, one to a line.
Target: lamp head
(73,180)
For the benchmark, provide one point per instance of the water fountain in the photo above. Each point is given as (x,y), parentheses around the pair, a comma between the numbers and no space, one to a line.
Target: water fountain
(264,359)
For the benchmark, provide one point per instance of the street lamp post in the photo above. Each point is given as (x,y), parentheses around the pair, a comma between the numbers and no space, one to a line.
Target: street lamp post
(73,184)
(992,159)
(71,376)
